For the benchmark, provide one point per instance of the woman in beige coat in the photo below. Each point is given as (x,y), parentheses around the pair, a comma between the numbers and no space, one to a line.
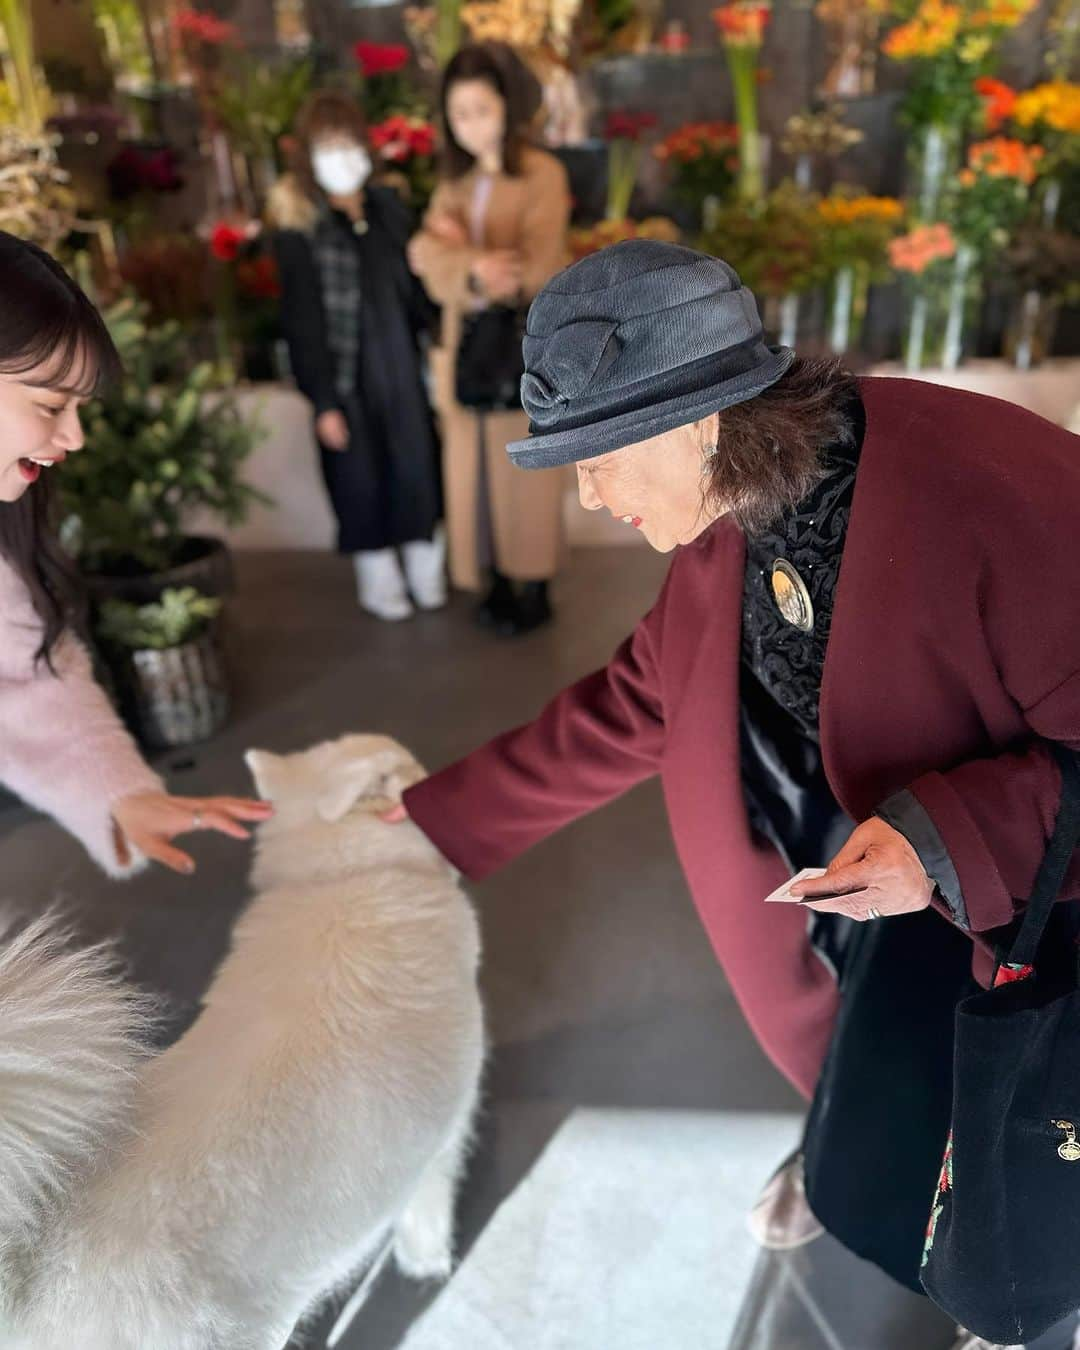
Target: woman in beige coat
(495,233)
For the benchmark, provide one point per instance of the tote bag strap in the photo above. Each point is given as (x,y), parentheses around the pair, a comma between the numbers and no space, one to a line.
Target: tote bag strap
(1055,863)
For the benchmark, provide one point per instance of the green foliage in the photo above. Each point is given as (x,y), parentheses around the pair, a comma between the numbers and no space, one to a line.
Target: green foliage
(258,103)
(777,245)
(161,444)
(122,25)
(178,617)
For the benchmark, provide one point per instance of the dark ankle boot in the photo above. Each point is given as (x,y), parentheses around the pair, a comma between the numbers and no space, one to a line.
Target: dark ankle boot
(532,610)
(499,606)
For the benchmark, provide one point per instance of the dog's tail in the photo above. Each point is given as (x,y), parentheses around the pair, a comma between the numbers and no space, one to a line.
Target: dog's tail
(72,1035)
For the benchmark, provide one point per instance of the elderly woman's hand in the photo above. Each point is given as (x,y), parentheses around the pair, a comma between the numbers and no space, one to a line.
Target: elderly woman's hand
(876,869)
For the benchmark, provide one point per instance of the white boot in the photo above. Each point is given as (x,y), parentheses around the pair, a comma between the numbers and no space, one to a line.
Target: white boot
(380,585)
(781,1220)
(425,567)
(967,1340)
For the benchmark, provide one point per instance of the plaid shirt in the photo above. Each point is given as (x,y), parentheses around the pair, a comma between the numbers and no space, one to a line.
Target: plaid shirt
(338,261)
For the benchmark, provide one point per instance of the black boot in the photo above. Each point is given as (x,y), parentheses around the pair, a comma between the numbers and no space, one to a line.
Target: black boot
(499,606)
(532,610)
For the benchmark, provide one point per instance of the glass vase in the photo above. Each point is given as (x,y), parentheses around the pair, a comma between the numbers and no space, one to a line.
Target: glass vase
(1029,335)
(794,318)
(848,294)
(933,161)
(942,312)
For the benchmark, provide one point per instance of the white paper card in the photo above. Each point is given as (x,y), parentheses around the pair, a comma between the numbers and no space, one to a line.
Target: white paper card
(783,893)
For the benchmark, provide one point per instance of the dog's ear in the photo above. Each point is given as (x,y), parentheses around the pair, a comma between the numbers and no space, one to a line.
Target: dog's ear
(377,780)
(337,801)
(265,769)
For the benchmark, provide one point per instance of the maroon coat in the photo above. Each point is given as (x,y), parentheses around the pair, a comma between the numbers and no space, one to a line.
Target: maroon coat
(955,639)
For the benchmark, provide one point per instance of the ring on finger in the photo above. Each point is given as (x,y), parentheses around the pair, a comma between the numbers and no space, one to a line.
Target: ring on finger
(196,819)
(873,913)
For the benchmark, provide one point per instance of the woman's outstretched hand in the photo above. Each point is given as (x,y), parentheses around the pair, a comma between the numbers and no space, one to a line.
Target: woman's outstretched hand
(877,868)
(150,821)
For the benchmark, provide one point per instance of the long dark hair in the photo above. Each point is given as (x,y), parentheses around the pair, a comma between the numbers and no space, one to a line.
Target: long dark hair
(45,317)
(769,452)
(499,66)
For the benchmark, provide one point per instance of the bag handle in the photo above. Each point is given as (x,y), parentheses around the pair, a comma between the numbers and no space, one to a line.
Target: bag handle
(1055,863)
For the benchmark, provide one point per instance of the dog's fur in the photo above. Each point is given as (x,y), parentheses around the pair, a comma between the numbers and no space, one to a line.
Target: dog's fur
(206,1198)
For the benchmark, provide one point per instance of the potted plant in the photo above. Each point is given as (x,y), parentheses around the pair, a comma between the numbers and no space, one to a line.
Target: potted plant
(164,443)
(166,665)
(778,246)
(858,229)
(703,160)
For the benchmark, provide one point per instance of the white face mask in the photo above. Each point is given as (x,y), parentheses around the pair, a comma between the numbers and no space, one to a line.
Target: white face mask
(341,169)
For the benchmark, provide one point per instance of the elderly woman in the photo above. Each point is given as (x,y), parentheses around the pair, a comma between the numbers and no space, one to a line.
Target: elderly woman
(867,634)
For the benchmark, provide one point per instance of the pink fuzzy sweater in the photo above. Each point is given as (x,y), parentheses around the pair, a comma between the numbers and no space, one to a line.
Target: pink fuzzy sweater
(62,747)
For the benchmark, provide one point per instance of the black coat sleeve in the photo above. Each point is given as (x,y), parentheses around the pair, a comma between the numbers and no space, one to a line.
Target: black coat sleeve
(303,321)
(399,221)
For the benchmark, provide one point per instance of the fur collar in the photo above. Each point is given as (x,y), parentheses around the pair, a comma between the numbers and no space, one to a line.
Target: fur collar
(288,206)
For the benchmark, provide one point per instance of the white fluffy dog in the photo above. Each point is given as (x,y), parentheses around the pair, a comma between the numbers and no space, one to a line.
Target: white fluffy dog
(320,1106)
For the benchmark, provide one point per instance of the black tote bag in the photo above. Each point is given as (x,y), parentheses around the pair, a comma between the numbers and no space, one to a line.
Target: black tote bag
(1003,1248)
(490,363)
(880,1115)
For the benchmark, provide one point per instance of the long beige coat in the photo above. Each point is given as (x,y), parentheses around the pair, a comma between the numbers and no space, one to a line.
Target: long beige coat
(529,213)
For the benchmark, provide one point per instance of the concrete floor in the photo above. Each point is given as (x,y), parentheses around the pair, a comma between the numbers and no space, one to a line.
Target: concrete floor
(599,984)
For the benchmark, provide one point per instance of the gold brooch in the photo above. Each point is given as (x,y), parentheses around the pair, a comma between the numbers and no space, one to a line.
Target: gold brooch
(792,597)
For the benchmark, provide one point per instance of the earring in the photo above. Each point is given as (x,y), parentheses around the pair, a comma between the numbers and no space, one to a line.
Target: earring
(708,454)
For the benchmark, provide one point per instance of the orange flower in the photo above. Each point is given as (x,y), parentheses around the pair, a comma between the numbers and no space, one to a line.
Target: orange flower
(1002,14)
(847,210)
(691,142)
(999,100)
(742,24)
(1003,157)
(927,244)
(932,30)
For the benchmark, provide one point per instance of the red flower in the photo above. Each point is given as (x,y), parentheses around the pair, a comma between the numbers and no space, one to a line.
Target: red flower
(226,242)
(205,28)
(399,138)
(999,99)
(628,126)
(376,58)
(133,170)
(259,278)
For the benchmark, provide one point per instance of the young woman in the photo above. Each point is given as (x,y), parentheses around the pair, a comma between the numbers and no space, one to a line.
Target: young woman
(494,234)
(62,748)
(354,315)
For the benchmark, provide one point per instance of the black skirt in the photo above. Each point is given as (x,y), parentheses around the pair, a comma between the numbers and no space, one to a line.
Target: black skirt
(386,488)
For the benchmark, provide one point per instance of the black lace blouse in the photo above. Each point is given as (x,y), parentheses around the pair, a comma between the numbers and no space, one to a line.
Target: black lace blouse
(789,799)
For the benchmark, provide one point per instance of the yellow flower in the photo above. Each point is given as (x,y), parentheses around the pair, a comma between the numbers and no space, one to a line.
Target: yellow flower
(973,49)
(838,210)
(932,31)
(1056,105)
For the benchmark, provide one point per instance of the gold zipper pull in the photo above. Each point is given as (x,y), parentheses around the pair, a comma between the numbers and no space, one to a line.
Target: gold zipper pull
(1070,1149)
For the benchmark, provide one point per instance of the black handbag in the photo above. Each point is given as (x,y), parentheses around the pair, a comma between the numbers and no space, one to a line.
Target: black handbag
(1002,1252)
(880,1114)
(490,363)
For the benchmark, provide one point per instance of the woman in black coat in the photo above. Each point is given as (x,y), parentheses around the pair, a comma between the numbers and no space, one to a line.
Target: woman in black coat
(354,317)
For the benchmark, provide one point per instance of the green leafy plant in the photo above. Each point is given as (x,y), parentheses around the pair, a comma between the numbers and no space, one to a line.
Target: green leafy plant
(778,246)
(258,103)
(178,617)
(17,36)
(161,444)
